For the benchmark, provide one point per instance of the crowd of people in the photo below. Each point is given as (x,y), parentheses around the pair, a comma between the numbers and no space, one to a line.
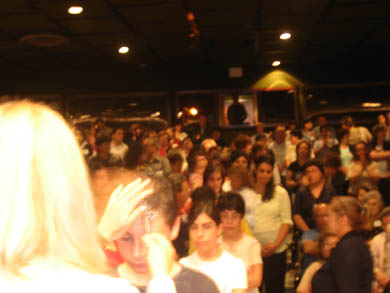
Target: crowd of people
(176,211)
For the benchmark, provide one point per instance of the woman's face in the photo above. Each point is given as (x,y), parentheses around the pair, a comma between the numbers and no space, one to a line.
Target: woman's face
(236,182)
(303,150)
(374,207)
(201,164)
(264,173)
(215,182)
(204,233)
(329,243)
(240,162)
(361,151)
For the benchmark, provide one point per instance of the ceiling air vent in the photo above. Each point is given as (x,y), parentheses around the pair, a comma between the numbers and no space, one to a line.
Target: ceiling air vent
(44,40)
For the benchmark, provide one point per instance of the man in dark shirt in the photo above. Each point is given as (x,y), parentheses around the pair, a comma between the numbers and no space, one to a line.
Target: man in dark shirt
(316,192)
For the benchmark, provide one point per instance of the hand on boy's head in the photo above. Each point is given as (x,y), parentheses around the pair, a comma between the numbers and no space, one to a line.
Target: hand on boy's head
(123,208)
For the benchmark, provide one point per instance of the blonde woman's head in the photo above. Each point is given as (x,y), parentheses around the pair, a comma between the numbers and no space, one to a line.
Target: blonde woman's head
(46,207)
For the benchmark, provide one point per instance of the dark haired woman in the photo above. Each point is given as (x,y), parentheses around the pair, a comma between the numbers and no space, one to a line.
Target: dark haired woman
(205,227)
(349,268)
(273,222)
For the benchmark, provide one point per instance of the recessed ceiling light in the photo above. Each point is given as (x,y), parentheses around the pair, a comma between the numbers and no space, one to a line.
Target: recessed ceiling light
(323,102)
(75,10)
(123,50)
(371,105)
(285,36)
(276,63)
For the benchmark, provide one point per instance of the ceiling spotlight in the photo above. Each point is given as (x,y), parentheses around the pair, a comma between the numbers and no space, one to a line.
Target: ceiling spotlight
(285,36)
(276,63)
(75,10)
(371,104)
(193,111)
(123,50)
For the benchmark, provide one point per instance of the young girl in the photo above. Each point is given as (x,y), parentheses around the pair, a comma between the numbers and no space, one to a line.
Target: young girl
(227,271)
(235,241)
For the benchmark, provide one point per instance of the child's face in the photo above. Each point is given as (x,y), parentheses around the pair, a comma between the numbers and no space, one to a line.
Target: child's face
(231,222)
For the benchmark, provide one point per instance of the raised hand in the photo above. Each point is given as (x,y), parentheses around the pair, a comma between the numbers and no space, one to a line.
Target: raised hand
(123,208)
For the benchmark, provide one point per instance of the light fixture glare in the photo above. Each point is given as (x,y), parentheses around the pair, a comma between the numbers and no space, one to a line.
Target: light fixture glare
(123,50)
(285,36)
(75,10)
(276,63)
(371,104)
(193,111)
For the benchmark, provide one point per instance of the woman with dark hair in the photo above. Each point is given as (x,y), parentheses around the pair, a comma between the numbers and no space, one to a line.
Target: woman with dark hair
(362,169)
(349,268)
(344,149)
(334,175)
(205,227)
(295,177)
(239,159)
(273,222)
(213,177)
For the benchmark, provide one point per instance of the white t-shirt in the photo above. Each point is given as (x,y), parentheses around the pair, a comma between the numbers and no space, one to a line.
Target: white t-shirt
(227,271)
(305,283)
(118,152)
(248,249)
(45,277)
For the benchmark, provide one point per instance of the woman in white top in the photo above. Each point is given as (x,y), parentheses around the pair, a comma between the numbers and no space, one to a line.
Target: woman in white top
(227,271)
(48,233)
(272,224)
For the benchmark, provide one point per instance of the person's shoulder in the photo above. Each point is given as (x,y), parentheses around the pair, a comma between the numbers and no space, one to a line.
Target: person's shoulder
(249,240)
(190,259)
(380,238)
(190,280)
(281,191)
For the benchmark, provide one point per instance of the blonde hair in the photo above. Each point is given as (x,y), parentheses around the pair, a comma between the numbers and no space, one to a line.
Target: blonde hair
(46,206)
(350,207)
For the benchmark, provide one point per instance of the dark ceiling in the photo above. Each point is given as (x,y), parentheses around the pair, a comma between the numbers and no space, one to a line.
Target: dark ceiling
(223,33)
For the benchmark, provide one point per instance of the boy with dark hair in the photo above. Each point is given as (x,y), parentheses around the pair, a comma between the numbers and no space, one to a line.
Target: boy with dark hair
(157,213)
(248,249)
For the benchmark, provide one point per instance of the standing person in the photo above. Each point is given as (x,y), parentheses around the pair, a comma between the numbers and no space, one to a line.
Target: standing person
(235,241)
(48,234)
(210,258)
(317,191)
(118,148)
(280,146)
(344,150)
(349,268)
(307,131)
(296,177)
(272,225)
(323,145)
(356,133)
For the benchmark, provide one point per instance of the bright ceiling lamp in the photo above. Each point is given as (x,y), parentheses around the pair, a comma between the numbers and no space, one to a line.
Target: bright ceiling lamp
(123,50)
(276,63)
(75,9)
(285,36)
(193,111)
(371,104)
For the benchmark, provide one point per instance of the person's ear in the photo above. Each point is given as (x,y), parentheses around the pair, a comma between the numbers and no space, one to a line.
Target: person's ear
(175,229)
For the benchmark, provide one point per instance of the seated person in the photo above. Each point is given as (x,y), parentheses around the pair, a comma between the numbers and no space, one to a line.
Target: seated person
(235,241)
(309,239)
(326,243)
(157,214)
